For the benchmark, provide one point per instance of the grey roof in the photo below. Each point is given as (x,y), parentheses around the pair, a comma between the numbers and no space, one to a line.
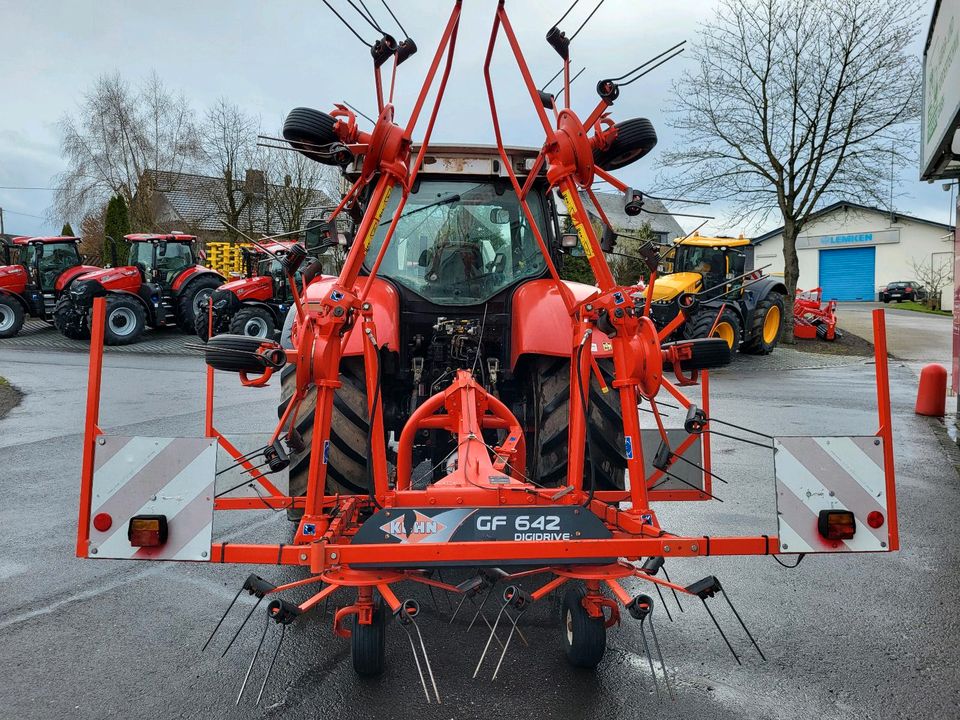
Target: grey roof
(193,199)
(654,213)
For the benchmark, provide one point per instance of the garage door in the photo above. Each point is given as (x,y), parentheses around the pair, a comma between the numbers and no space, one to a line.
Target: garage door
(848,274)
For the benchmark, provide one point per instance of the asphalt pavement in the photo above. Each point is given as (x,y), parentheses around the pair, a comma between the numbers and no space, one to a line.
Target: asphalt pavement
(864,636)
(913,336)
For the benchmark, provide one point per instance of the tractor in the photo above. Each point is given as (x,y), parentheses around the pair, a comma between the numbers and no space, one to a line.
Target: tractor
(255,304)
(161,286)
(719,299)
(36,272)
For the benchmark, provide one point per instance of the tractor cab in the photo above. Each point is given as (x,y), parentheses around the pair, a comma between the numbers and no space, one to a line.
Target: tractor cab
(260,264)
(161,259)
(46,258)
(699,263)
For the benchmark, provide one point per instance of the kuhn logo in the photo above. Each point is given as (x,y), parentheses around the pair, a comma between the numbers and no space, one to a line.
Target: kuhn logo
(412,527)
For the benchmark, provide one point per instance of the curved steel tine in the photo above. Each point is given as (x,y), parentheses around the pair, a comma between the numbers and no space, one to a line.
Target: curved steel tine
(416,659)
(493,631)
(426,660)
(662,603)
(742,623)
(276,652)
(720,630)
(663,665)
(229,644)
(253,659)
(480,609)
(446,594)
(675,596)
(459,605)
(503,654)
(222,618)
(646,650)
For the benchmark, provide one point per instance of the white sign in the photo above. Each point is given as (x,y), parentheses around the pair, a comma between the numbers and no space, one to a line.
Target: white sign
(941,84)
(876,237)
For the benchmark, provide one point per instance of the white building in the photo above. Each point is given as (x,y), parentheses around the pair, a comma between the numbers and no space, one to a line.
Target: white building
(851,251)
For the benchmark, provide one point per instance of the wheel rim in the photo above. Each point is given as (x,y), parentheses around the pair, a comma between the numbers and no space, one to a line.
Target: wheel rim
(725,330)
(6,317)
(771,324)
(569,624)
(255,327)
(201,301)
(122,321)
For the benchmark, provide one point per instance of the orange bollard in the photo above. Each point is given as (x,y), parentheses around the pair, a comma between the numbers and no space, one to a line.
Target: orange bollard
(932,393)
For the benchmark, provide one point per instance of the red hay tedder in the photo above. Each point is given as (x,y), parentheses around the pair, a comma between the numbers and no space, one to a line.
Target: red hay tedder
(537,379)
(812,319)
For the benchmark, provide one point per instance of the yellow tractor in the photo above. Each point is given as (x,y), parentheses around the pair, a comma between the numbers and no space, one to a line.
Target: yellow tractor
(706,275)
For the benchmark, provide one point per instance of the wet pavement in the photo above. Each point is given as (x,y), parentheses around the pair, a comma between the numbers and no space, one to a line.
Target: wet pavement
(866,636)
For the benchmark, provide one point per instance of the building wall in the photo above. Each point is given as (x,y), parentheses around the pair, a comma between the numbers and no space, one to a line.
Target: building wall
(919,242)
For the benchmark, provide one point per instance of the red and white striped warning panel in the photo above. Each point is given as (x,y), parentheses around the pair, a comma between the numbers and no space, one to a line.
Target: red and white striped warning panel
(815,475)
(153,498)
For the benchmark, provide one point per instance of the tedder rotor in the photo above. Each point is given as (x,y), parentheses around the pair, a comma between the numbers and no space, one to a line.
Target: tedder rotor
(449,340)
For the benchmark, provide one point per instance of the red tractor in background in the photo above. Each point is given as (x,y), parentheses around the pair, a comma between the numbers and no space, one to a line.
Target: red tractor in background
(36,272)
(162,285)
(257,303)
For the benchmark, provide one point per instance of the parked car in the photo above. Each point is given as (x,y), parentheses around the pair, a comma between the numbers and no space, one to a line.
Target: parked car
(903,290)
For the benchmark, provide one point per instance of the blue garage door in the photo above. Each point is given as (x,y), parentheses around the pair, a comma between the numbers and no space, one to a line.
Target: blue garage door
(848,274)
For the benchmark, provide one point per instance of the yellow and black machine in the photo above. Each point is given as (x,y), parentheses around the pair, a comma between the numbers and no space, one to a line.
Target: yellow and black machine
(705,276)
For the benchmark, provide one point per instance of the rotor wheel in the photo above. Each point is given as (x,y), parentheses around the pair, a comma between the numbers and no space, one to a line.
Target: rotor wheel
(310,132)
(548,418)
(253,321)
(11,316)
(706,323)
(125,320)
(584,638)
(767,325)
(368,643)
(70,320)
(192,302)
(635,138)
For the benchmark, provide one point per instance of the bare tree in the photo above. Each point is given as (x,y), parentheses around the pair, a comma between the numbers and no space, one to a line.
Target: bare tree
(795,104)
(934,274)
(297,184)
(116,134)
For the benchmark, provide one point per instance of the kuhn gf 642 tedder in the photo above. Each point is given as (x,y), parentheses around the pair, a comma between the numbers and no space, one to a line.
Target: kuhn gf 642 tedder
(450,331)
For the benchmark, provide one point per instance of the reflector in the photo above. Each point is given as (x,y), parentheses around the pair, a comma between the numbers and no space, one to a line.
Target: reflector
(836,524)
(147,530)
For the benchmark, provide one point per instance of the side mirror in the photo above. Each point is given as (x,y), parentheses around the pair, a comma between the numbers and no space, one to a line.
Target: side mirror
(424,259)
(499,216)
(569,240)
(499,262)
(202,254)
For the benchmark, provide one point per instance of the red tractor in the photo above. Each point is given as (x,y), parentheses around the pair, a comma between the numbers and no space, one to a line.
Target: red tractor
(35,272)
(161,286)
(256,304)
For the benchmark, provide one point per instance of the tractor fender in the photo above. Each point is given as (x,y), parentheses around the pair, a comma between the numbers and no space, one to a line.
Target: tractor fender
(541,324)
(195,271)
(16,296)
(278,317)
(758,291)
(71,274)
(386,312)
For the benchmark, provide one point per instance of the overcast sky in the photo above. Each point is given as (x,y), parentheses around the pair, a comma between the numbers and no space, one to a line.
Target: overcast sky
(269,57)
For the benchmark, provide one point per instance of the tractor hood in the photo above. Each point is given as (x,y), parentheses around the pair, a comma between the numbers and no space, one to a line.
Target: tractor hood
(669,286)
(118,278)
(254,288)
(13,278)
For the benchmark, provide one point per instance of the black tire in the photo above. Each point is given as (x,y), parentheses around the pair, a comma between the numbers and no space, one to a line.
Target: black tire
(548,417)
(635,138)
(822,332)
(886,300)
(125,320)
(708,353)
(309,132)
(236,353)
(197,292)
(584,638)
(347,456)
(756,343)
(701,323)
(254,321)
(11,316)
(71,320)
(368,643)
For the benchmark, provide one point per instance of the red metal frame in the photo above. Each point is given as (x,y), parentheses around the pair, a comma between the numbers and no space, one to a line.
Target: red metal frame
(322,332)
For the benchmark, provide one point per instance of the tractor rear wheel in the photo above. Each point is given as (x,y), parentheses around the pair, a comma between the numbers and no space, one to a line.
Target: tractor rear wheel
(193,301)
(584,637)
(70,320)
(635,138)
(125,320)
(767,325)
(548,417)
(706,323)
(368,643)
(253,321)
(11,316)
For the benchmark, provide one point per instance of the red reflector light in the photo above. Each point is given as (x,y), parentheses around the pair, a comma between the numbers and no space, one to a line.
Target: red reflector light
(836,524)
(147,530)
(875,519)
(102,521)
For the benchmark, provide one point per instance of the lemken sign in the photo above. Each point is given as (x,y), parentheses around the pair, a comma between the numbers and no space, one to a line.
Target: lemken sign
(877,237)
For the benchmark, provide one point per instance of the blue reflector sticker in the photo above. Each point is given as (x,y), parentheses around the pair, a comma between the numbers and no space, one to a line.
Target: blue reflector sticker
(618,298)
(628,446)
(309,529)
(326,451)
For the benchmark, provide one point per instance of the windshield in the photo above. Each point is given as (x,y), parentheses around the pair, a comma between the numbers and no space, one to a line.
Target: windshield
(141,255)
(51,259)
(704,260)
(460,242)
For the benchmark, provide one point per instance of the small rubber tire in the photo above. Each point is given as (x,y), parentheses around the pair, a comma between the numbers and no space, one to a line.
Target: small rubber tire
(228,353)
(308,130)
(708,354)
(755,343)
(368,643)
(131,311)
(584,638)
(635,138)
(70,320)
(11,316)
(254,317)
(700,325)
(197,290)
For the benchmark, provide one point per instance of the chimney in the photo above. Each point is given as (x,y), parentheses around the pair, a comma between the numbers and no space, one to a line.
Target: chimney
(255,183)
